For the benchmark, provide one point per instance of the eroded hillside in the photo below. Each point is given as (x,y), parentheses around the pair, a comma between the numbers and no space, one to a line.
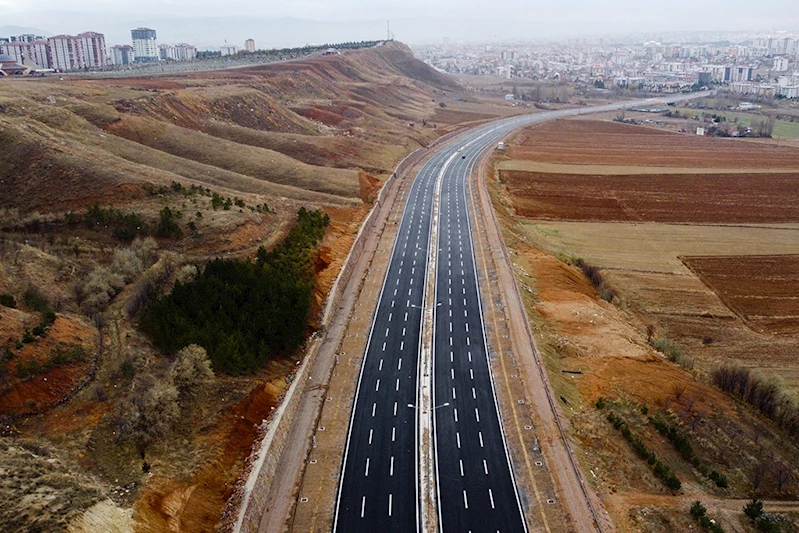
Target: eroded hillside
(111,190)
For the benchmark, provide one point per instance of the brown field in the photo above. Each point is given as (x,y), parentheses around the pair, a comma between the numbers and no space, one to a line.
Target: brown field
(669,198)
(763,290)
(698,239)
(591,142)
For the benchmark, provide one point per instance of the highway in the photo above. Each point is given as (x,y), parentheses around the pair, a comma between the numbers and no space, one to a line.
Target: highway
(379,488)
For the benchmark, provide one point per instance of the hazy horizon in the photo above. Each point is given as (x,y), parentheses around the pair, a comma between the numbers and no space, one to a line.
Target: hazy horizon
(286,23)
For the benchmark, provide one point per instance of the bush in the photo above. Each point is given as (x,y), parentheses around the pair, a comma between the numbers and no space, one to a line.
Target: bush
(600,403)
(754,509)
(126,264)
(765,395)
(8,300)
(698,510)
(167,225)
(190,367)
(127,369)
(100,287)
(34,299)
(660,470)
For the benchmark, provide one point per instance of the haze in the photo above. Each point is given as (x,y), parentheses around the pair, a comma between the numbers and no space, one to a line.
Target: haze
(412,21)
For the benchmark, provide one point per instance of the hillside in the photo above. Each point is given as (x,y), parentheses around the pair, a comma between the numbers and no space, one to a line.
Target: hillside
(111,190)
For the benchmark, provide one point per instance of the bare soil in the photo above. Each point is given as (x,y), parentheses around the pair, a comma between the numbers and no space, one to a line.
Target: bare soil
(763,290)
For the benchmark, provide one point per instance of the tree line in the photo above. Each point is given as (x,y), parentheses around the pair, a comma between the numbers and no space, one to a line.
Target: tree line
(243,312)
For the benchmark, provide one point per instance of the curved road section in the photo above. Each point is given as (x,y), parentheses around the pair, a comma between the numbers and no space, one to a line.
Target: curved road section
(475,490)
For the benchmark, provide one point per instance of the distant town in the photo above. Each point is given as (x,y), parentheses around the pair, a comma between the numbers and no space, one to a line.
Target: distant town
(764,66)
(29,53)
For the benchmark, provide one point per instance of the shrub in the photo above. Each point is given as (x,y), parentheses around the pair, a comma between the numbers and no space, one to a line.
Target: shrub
(34,299)
(600,403)
(698,510)
(127,369)
(167,225)
(27,369)
(126,264)
(145,249)
(190,367)
(8,300)
(754,509)
(48,317)
(38,330)
(100,287)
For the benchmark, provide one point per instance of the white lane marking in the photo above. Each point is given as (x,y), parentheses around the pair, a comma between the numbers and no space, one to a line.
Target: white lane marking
(387,330)
(393,433)
(467,328)
(455,411)
(389,504)
(453,393)
(480,435)
(366,472)
(377,385)
(451,357)
(406,316)
(485,466)
(409,291)
(471,373)
(380,366)
(465,499)
(374,406)
(470,357)
(491,497)
(403,332)
(474,393)
(460,462)
(392,303)
(452,372)
(458,439)
(468,341)
(450,341)
(384,346)
(395,408)
(370,435)
(450,327)
(477,414)
(391,468)
(397,388)
(363,505)
(395,292)
(399,363)
(465,312)
(389,316)
(402,345)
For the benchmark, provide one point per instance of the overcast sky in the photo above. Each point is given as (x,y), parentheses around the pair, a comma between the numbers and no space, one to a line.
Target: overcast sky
(457,19)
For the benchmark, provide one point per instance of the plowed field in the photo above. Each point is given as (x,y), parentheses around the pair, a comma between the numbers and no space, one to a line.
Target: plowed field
(763,290)
(675,198)
(593,142)
(604,171)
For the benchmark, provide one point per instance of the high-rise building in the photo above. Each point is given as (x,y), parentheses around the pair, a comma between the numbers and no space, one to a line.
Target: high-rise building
(178,52)
(75,52)
(121,55)
(27,52)
(249,45)
(144,46)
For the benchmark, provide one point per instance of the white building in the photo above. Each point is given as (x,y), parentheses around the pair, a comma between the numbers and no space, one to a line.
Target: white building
(780,64)
(144,45)
(121,55)
(27,52)
(76,52)
(229,49)
(249,45)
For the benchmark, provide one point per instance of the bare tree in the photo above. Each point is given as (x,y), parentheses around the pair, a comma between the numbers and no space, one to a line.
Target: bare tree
(783,474)
(761,468)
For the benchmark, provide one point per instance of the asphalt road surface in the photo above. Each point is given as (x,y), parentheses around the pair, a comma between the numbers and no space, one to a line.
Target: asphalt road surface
(476,491)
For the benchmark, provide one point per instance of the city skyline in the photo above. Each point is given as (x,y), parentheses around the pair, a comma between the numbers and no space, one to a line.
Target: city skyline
(293,24)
